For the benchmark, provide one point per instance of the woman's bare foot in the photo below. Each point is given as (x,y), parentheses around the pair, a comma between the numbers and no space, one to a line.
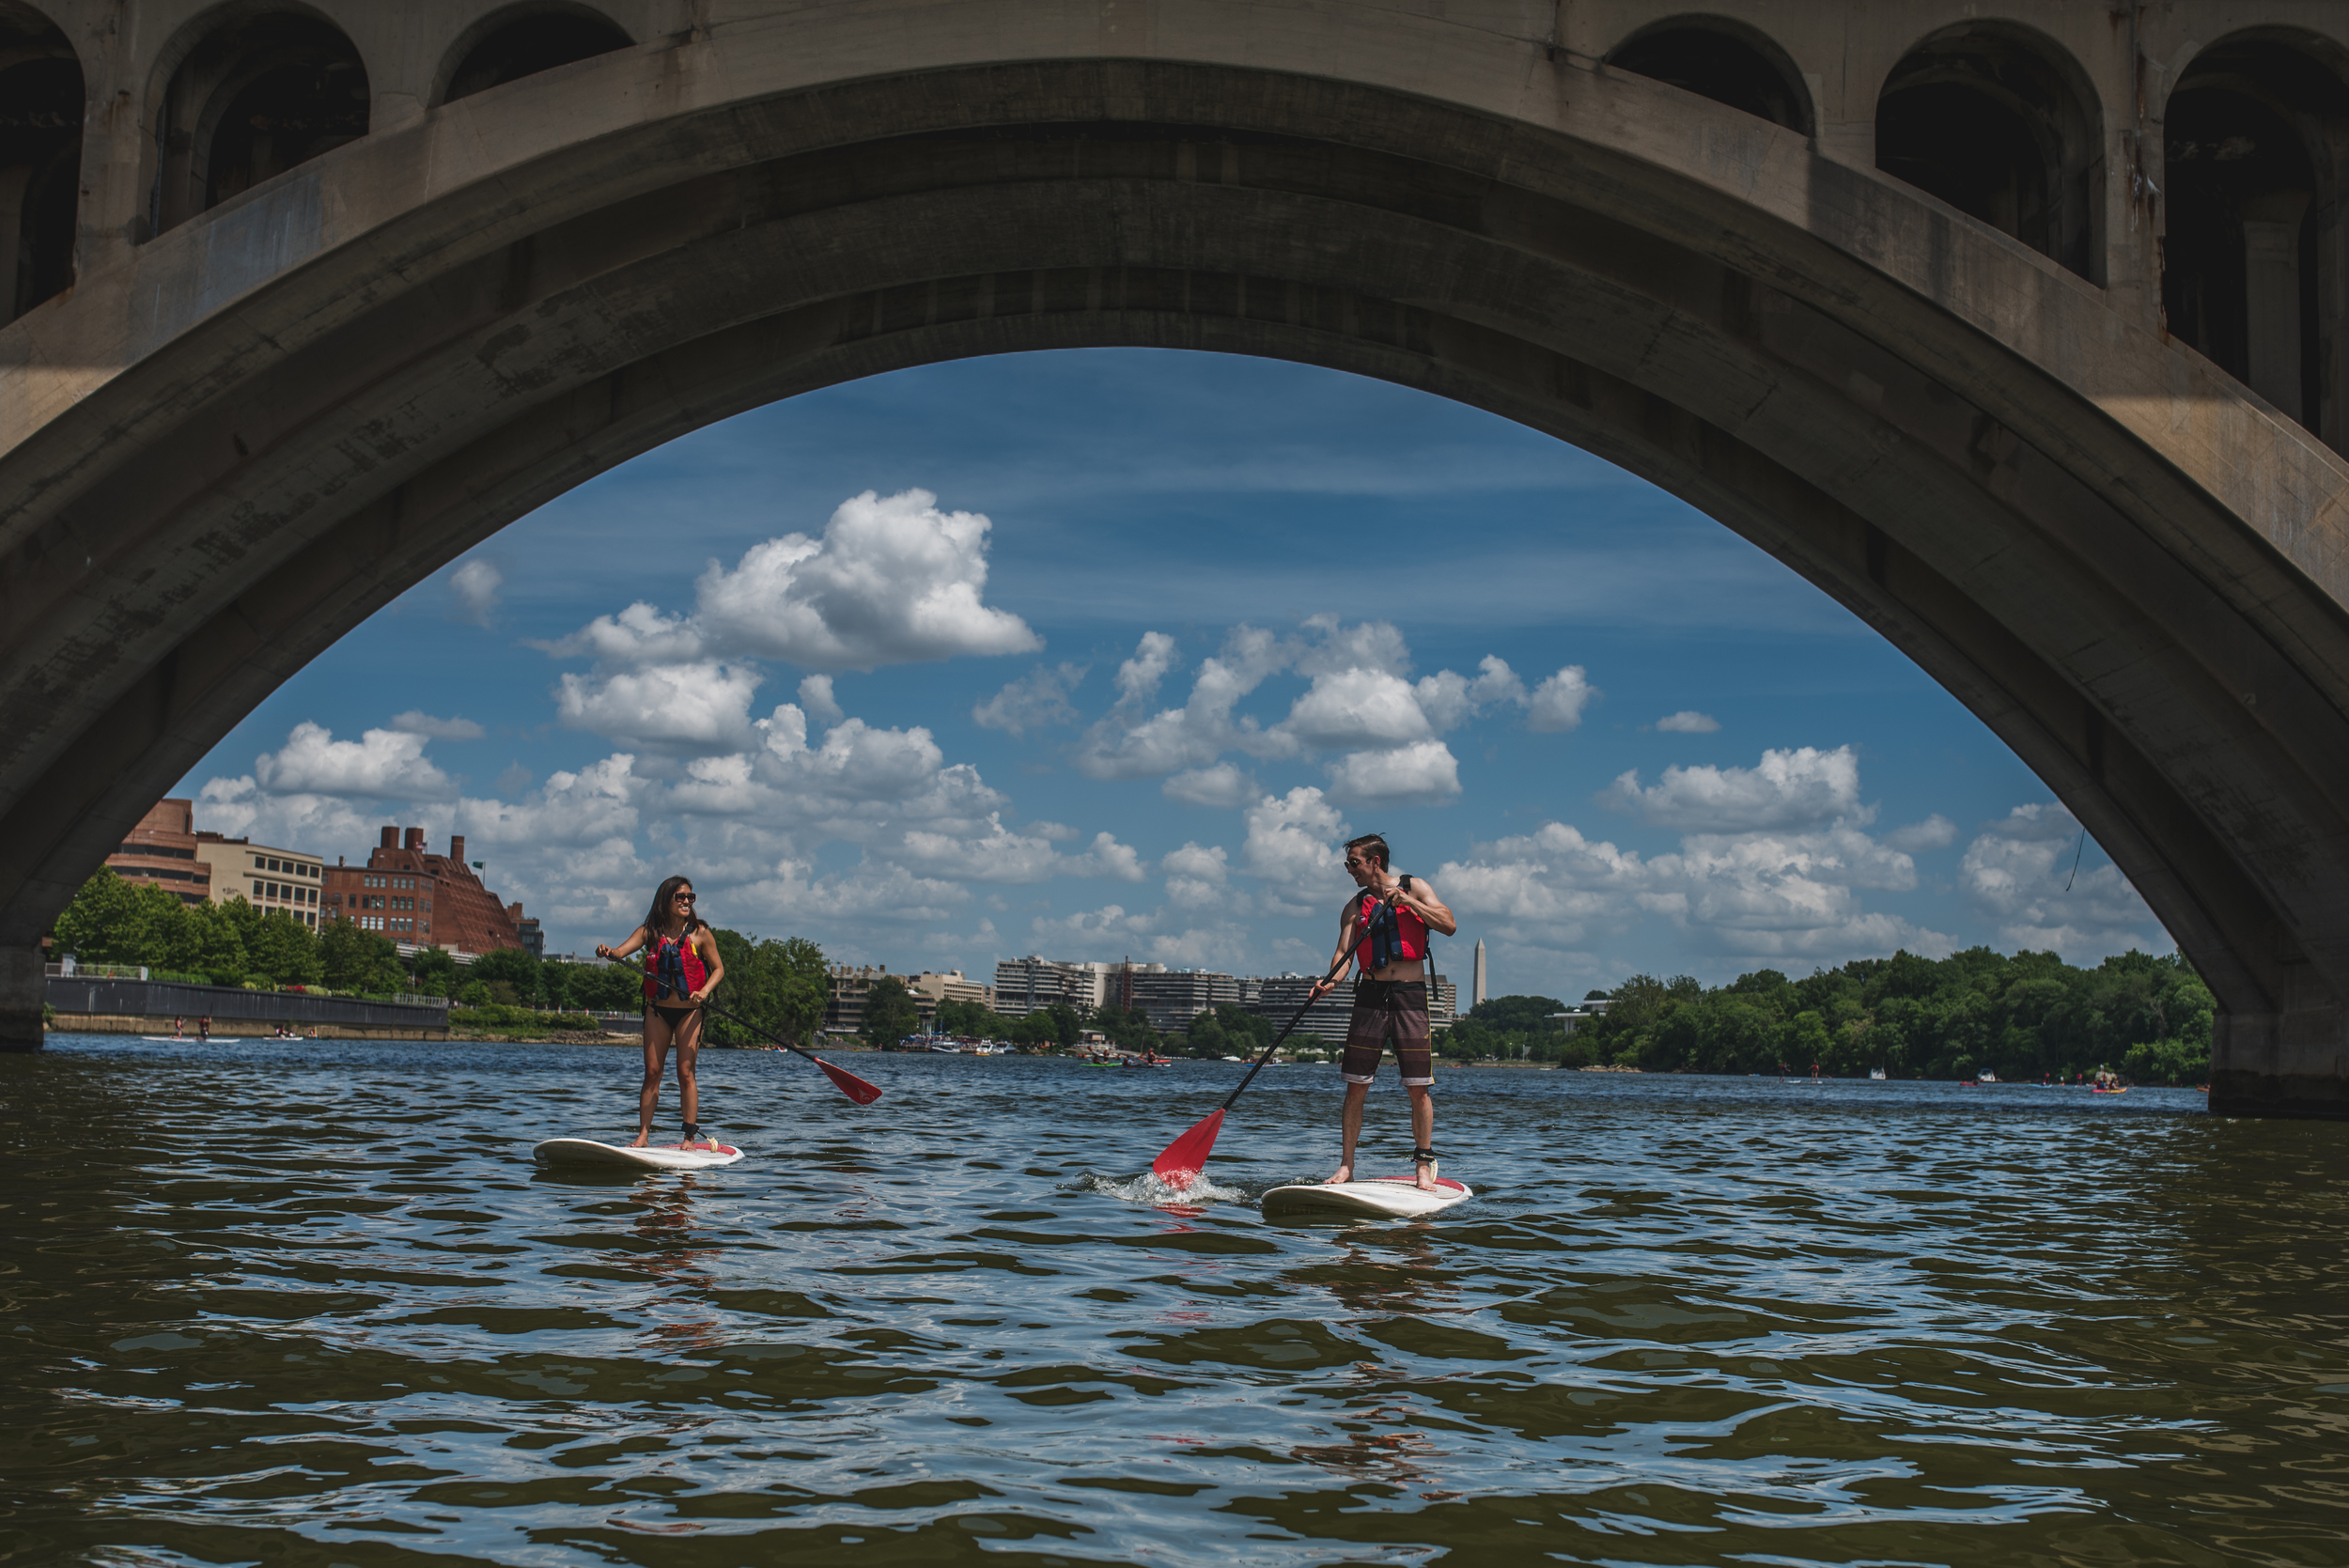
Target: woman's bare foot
(1424,1175)
(1344,1173)
(644,1139)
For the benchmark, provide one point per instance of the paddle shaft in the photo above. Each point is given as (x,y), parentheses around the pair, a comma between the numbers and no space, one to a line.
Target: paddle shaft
(746,1023)
(1298,1017)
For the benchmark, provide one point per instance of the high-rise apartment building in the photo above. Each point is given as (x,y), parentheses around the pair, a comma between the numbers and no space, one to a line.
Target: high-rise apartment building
(1169,999)
(1025,986)
(1278,995)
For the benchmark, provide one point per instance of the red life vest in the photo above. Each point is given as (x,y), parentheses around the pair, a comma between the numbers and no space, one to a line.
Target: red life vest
(675,954)
(1410,933)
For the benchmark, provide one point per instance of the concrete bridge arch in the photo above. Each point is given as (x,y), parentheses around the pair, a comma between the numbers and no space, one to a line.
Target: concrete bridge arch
(231,440)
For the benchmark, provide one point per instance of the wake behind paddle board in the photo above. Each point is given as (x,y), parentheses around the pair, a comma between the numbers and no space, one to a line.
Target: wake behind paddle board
(1379,1198)
(586,1154)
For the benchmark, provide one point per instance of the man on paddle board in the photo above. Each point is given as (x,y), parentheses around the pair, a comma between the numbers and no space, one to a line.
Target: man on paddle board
(681,969)
(1390,997)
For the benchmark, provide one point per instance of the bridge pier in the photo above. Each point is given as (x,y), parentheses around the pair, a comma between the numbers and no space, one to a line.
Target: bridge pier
(2289,1063)
(24,985)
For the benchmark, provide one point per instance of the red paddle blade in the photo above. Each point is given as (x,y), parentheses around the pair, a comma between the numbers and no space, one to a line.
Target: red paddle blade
(1184,1159)
(849,1083)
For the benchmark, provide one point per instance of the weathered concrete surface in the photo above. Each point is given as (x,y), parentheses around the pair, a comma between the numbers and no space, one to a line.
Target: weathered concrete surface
(240,439)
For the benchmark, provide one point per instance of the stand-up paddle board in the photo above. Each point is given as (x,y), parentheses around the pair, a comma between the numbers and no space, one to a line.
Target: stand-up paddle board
(586,1154)
(1379,1198)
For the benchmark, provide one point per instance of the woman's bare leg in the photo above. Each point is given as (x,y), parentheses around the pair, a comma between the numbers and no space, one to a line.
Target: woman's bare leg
(657,1034)
(688,1046)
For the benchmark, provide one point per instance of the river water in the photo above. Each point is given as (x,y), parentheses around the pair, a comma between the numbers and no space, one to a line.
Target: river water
(310,1303)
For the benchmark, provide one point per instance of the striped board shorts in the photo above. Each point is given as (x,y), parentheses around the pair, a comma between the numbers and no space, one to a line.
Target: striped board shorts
(1384,1007)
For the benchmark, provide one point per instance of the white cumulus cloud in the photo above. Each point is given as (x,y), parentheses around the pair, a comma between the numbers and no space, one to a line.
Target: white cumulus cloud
(816,699)
(1107,858)
(2016,874)
(383,765)
(1558,703)
(1934,832)
(1788,788)
(475,587)
(704,705)
(1421,772)
(893,580)
(1138,678)
(1292,845)
(416,722)
(1447,697)
(1687,721)
(1222,785)
(1357,707)
(1036,701)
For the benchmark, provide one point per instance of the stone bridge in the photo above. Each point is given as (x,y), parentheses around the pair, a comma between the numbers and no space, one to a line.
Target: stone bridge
(2019,328)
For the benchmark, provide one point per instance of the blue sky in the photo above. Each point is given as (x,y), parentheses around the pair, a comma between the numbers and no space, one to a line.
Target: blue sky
(1100,655)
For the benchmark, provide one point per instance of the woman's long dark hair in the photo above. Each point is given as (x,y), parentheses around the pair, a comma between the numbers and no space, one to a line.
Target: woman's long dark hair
(663,901)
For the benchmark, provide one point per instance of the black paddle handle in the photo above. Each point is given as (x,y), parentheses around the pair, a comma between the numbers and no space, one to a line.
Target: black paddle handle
(1298,1017)
(737,1017)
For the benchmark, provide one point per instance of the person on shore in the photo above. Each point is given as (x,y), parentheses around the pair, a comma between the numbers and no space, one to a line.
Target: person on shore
(1390,997)
(681,969)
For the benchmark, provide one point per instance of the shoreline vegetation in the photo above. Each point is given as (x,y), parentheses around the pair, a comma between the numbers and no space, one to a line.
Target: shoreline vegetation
(2022,1017)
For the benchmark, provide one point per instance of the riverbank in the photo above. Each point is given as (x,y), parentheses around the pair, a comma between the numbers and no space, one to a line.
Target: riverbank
(150,1025)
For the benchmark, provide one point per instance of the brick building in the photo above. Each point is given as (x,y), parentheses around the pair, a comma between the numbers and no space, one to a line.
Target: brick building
(160,852)
(422,899)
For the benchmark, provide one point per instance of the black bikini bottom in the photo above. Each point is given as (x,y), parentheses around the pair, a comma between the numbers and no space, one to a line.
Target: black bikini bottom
(673,1016)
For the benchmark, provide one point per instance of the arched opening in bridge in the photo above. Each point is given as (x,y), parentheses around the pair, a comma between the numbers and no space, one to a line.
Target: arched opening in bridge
(1723,60)
(523,40)
(2253,140)
(41,158)
(2001,124)
(248,99)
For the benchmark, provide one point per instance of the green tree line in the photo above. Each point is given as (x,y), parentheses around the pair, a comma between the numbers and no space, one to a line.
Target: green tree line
(2022,1017)
(778,985)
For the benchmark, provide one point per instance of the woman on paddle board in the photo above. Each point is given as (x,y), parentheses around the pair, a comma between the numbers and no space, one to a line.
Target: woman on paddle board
(681,969)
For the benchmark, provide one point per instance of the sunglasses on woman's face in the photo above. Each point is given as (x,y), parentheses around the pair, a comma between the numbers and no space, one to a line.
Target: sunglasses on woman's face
(685,898)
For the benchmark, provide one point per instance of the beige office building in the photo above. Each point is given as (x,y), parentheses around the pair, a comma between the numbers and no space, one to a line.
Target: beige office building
(263,876)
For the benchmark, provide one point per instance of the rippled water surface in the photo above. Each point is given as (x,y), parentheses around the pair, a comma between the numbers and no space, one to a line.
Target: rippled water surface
(311,1304)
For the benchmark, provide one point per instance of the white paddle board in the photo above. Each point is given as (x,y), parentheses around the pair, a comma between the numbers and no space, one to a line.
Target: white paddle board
(1379,1198)
(586,1154)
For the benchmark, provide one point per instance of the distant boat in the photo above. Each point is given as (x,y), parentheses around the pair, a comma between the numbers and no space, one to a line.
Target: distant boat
(1985,1076)
(1875,1075)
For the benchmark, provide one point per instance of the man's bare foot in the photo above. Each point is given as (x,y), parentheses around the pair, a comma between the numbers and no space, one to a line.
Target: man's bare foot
(1344,1173)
